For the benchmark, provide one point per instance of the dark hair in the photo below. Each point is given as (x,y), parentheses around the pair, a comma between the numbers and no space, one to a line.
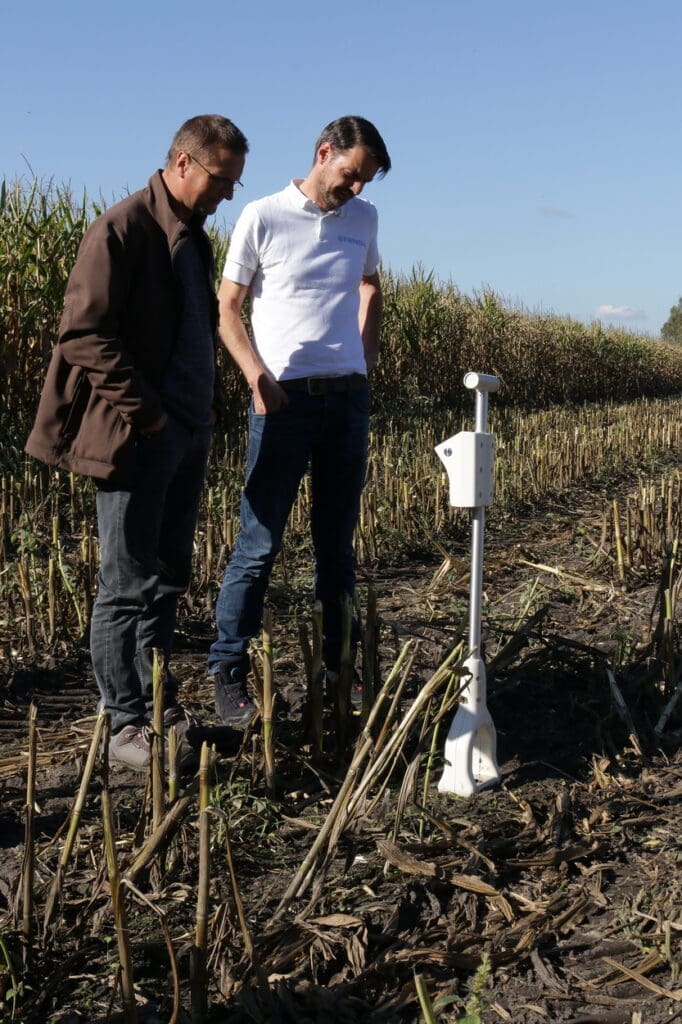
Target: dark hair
(346,132)
(200,134)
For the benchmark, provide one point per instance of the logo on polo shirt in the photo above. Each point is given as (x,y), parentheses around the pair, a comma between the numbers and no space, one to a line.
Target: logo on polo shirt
(352,241)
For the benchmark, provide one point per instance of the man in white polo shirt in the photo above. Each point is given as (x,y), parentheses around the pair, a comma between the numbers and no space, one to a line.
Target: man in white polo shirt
(308,257)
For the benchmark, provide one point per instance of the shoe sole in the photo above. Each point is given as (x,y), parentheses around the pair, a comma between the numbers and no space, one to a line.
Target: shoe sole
(186,763)
(238,723)
(119,762)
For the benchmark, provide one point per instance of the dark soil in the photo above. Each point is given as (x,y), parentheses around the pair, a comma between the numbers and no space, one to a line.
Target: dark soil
(554,896)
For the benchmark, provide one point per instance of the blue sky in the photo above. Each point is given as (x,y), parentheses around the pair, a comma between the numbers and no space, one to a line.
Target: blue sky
(536,145)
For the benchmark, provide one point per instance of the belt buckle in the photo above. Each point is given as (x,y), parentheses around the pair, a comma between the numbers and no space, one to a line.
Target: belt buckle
(316,386)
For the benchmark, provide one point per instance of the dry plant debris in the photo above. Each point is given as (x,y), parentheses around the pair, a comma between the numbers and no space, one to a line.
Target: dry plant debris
(350,888)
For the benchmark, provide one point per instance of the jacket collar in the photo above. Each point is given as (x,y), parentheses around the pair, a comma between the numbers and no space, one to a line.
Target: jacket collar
(162,211)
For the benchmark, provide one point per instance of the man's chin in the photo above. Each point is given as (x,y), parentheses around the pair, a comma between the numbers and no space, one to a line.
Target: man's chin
(334,202)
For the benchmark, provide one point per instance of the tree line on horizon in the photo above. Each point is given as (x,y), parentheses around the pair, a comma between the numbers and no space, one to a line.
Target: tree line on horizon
(671,331)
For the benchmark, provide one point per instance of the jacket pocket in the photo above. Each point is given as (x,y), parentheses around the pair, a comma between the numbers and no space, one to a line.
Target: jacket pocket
(76,411)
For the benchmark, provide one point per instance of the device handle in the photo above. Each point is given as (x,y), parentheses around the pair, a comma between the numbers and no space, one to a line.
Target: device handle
(481,381)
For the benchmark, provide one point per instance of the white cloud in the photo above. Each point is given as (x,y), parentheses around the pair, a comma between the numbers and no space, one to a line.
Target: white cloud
(554,211)
(620,312)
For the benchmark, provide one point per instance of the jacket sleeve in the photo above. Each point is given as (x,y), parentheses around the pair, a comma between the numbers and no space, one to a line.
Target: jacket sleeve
(92,331)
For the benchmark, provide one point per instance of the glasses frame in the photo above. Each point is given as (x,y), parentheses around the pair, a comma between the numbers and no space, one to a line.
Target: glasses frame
(218,178)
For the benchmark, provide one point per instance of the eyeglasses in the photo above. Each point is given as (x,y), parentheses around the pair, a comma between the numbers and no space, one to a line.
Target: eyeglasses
(218,178)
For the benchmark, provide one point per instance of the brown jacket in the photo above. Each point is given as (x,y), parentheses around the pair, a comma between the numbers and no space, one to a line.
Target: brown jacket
(121,317)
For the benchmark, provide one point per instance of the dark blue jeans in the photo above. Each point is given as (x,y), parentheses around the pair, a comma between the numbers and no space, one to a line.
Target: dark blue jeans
(329,433)
(146,538)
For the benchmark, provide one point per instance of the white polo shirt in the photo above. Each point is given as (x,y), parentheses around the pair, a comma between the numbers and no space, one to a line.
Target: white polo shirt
(304,267)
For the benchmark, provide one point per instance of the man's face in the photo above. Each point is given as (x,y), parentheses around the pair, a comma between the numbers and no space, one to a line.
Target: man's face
(209,178)
(342,174)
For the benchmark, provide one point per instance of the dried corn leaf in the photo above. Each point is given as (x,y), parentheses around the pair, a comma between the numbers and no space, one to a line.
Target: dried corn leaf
(553,857)
(337,921)
(473,884)
(405,862)
(675,993)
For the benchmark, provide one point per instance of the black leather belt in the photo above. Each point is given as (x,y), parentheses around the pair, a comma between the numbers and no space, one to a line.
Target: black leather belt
(325,385)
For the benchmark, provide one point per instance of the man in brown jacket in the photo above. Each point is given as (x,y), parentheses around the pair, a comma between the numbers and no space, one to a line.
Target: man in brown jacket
(129,399)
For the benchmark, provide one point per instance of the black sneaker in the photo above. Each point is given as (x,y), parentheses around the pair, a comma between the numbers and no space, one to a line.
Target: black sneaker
(181,718)
(232,702)
(331,682)
(187,729)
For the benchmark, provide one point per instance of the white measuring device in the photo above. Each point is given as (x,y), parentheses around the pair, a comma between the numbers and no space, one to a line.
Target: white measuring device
(469,458)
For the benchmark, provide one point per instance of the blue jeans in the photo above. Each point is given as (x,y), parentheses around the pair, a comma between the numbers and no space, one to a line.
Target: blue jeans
(146,539)
(330,433)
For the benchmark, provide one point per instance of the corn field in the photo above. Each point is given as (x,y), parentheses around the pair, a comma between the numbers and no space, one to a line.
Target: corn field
(432,335)
(311,871)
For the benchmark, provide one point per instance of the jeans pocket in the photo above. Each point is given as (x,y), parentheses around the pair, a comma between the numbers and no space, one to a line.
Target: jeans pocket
(361,400)
(158,435)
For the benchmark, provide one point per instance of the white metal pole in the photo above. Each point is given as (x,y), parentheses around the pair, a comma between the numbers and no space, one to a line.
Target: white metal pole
(477,536)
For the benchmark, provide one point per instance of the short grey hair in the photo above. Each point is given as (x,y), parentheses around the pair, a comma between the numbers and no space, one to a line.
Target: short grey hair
(200,134)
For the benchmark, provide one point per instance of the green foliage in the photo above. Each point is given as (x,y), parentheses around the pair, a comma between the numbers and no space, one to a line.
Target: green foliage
(40,230)
(672,329)
(480,994)
(432,334)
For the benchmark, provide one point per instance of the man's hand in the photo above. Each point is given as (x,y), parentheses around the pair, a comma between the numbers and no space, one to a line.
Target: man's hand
(268,396)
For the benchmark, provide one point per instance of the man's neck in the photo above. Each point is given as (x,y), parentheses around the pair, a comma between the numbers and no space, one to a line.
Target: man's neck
(308,186)
(181,211)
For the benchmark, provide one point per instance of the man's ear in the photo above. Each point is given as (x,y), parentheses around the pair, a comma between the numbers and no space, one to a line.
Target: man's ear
(182,162)
(324,153)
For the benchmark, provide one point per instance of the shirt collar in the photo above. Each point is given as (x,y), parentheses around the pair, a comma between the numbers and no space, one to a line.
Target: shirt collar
(302,202)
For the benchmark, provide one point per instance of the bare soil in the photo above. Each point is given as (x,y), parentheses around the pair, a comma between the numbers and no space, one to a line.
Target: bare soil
(555,896)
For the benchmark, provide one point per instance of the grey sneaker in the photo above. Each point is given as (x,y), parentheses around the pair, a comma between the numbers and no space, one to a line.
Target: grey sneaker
(131,746)
(232,702)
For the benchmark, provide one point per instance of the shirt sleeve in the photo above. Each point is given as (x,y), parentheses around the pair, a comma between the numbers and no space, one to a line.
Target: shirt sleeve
(372,259)
(242,256)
